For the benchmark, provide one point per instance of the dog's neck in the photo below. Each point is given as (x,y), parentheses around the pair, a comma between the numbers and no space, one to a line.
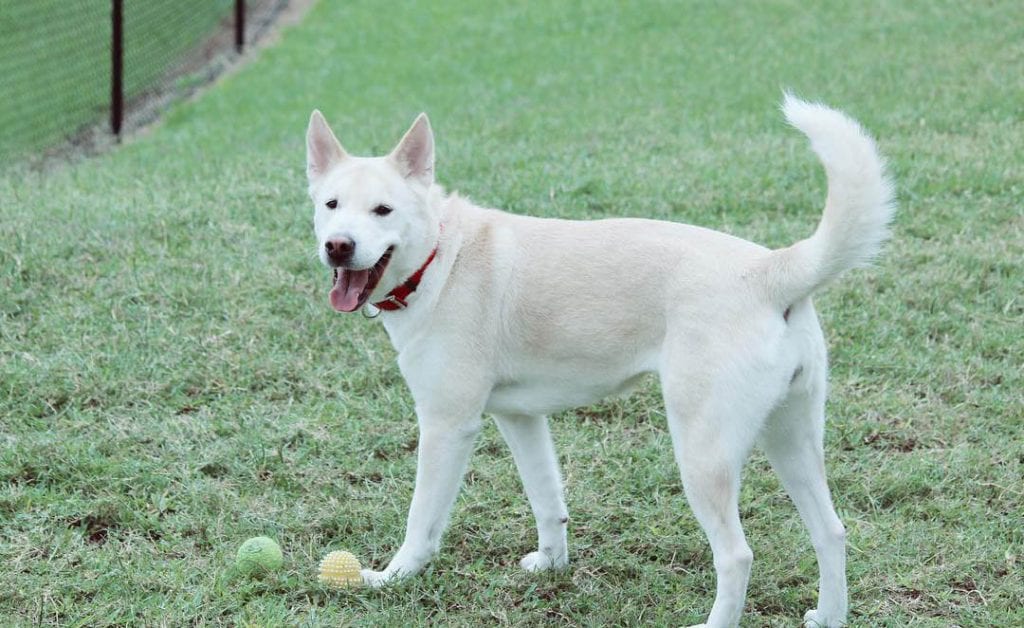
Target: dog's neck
(402,325)
(396,299)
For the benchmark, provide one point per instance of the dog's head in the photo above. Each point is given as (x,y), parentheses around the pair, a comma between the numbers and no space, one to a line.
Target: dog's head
(374,220)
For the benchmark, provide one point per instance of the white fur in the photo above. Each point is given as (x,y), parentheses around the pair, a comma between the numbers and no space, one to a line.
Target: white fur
(522,317)
(858,209)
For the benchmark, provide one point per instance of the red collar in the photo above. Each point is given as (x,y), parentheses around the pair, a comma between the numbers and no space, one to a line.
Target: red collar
(395,300)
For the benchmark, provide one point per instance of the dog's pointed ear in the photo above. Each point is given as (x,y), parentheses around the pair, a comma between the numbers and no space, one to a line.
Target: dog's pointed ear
(323,150)
(414,155)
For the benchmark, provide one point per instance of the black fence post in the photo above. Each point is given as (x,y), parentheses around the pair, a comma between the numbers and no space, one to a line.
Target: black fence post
(116,66)
(239,25)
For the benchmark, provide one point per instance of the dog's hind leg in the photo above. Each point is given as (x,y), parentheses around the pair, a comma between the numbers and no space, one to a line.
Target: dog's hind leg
(714,416)
(533,450)
(792,440)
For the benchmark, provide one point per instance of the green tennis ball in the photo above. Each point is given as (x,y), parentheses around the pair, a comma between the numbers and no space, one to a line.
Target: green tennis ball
(259,555)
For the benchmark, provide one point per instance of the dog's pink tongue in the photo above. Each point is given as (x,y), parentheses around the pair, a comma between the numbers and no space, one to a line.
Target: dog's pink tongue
(348,287)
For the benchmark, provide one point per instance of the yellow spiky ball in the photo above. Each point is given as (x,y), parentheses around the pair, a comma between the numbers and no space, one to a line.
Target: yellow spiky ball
(340,570)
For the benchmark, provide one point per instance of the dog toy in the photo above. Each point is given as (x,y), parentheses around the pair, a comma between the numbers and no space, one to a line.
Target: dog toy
(340,570)
(259,555)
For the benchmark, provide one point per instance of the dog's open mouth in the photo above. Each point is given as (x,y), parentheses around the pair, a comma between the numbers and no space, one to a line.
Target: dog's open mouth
(353,287)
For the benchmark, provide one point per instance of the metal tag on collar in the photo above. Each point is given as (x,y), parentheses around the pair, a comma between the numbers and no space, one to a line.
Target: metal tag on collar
(393,300)
(372,308)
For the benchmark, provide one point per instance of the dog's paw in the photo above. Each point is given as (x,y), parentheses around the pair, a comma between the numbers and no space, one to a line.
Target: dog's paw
(539,561)
(375,579)
(816,619)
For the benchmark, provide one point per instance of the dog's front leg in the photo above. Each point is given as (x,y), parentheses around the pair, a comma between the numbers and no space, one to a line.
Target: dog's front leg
(444,451)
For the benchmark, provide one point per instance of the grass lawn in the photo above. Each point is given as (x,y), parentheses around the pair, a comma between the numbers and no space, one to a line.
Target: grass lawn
(173,381)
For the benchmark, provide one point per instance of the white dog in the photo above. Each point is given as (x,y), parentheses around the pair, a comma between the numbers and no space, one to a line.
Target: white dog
(521,317)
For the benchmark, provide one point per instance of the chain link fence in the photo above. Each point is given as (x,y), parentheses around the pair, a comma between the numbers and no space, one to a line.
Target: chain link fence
(59,62)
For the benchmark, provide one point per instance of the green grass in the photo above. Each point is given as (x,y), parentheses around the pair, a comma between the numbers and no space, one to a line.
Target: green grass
(172,380)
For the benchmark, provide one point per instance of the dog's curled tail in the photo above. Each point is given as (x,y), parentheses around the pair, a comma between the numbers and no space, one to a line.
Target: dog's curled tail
(858,208)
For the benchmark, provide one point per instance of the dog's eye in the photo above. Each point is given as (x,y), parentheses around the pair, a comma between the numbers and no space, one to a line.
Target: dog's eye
(382,210)
(332,204)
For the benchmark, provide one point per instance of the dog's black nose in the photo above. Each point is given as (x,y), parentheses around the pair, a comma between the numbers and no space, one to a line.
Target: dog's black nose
(340,251)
